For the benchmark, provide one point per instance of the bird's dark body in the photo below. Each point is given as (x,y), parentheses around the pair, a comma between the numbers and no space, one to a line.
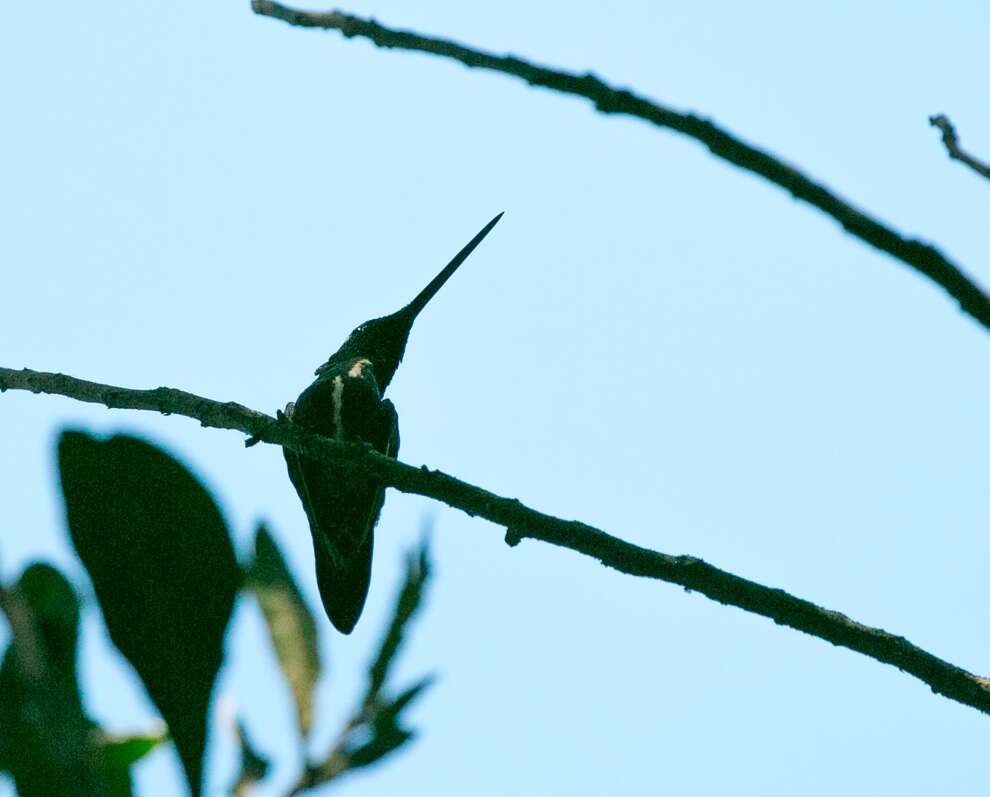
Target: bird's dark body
(346,403)
(343,404)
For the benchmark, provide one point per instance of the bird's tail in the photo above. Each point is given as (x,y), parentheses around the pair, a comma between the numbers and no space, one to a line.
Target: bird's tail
(344,582)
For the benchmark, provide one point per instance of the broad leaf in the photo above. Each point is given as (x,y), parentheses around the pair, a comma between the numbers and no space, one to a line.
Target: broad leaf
(46,740)
(163,568)
(290,623)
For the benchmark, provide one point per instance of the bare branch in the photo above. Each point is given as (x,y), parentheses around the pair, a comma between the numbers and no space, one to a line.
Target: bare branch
(522,522)
(951,141)
(920,256)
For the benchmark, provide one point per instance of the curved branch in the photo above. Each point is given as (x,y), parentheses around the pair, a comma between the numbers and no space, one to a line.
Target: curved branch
(922,257)
(694,574)
(951,141)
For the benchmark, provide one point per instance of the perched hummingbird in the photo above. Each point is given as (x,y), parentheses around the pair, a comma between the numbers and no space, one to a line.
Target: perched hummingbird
(345,403)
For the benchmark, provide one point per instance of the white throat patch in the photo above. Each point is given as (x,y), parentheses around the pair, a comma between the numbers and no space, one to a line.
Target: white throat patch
(356,371)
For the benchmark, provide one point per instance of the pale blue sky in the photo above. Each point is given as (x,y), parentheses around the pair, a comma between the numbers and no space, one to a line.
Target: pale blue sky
(651,341)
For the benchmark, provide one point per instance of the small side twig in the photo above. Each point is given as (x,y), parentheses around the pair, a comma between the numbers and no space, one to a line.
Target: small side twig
(951,141)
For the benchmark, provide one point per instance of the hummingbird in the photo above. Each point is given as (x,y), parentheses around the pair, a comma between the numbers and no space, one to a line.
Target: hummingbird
(345,402)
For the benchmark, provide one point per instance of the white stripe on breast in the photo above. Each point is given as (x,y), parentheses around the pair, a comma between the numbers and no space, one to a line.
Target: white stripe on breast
(337,399)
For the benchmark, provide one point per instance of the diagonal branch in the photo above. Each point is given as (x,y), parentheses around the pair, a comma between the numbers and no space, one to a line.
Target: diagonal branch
(522,522)
(920,256)
(951,141)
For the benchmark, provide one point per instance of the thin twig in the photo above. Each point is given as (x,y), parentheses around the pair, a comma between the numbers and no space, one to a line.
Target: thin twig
(920,256)
(522,522)
(951,141)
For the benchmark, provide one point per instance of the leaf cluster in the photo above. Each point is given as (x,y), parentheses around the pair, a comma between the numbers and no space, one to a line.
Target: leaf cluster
(159,555)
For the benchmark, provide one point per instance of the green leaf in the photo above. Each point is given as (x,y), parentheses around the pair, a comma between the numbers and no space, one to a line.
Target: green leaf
(254,766)
(410,597)
(381,731)
(120,752)
(117,753)
(291,626)
(55,748)
(388,713)
(54,608)
(380,745)
(47,741)
(159,555)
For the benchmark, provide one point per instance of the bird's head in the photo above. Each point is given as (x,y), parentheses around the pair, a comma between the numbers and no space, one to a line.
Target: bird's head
(383,340)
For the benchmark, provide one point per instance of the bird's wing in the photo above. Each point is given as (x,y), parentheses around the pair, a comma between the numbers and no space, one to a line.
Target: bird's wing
(390,447)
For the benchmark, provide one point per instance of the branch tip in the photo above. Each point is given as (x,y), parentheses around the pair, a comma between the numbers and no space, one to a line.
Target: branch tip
(951,141)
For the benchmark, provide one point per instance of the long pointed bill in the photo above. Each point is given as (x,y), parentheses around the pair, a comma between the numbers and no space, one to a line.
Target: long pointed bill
(412,309)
